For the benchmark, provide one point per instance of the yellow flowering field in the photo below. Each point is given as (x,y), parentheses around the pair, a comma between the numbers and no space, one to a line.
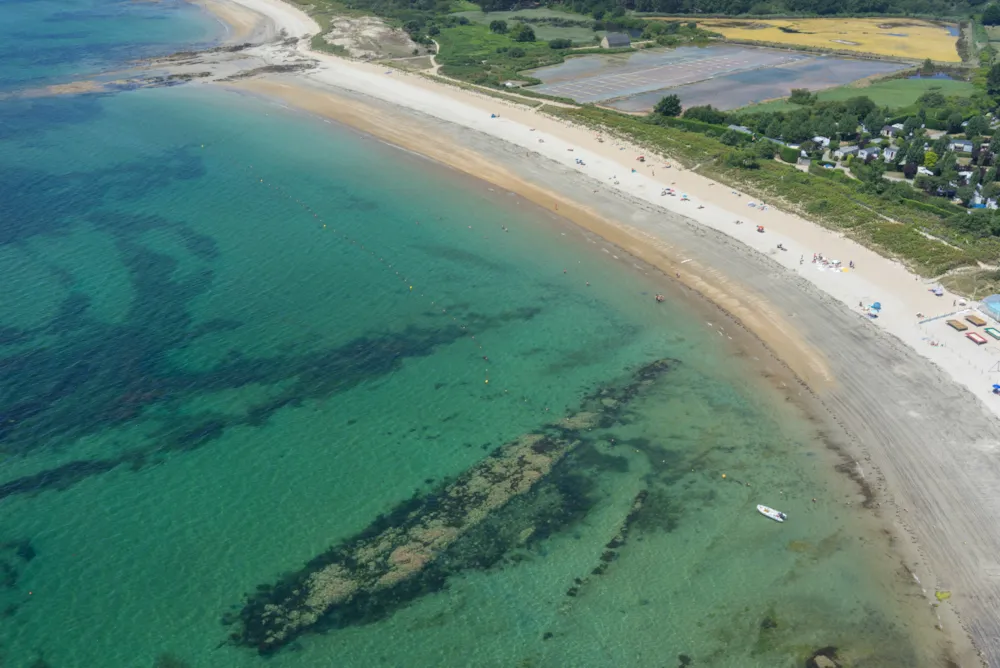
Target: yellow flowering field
(899,37)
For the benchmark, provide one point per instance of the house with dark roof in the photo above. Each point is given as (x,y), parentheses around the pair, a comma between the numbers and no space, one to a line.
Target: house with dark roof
(615,40)
(866,153)
(844,151)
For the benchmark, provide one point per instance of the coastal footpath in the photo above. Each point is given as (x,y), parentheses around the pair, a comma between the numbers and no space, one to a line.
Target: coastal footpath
(921,427)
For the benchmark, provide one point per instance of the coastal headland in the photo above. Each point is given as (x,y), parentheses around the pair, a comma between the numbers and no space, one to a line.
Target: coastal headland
(911,421)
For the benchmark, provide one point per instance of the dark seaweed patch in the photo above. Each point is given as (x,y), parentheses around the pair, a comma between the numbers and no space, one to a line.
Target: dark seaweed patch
(61,477)
(619,540)
(826,652)
(413,549)
(590,457)
(14,556)
(168,660)
(105,375)
(658,513)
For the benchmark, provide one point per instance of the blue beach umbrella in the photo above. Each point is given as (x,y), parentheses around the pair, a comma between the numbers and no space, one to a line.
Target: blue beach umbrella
(877,306)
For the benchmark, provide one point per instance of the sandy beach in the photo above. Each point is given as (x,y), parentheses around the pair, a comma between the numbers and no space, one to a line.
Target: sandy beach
(916,419)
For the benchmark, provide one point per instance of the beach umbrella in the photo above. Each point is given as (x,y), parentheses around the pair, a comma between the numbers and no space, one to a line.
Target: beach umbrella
(877,306)
(996,387)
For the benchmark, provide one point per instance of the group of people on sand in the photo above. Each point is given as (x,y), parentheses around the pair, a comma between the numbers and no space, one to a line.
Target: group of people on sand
(826,262)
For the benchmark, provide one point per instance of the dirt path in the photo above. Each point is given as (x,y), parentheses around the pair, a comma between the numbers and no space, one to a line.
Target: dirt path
(435,65)
(435,72)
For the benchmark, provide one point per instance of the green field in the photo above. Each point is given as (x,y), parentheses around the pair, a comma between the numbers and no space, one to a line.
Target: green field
(472,53)
(993,32)
(463,6)
(582,34)
(894,93)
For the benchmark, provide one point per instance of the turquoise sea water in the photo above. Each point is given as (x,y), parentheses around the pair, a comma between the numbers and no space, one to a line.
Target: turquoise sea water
(53,41)
(233,337)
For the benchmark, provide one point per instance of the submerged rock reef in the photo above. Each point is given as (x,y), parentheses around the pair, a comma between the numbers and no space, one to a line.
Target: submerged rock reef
(412,550)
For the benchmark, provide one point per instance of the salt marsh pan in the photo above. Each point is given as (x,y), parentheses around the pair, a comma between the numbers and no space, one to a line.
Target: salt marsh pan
(725,76)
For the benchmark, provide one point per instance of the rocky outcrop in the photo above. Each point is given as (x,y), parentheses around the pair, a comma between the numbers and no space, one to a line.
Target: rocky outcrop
(396,558)
(823,658)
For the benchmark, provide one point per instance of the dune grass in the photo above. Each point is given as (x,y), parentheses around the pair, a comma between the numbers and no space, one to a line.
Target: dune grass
(473,53)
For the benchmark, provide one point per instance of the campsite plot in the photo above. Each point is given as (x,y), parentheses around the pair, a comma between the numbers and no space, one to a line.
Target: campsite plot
(725,76)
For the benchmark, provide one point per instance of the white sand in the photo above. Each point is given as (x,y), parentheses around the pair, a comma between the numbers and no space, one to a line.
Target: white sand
(934,443)
(258,21)
(902,294)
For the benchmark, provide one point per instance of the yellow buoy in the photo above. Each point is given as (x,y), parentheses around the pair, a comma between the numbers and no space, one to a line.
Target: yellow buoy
(723,475)
(487,381)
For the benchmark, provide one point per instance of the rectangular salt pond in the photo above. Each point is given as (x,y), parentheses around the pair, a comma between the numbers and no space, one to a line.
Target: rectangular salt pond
(750,87)
(725,76)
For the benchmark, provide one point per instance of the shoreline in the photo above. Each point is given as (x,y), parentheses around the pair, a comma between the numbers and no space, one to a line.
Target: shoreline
(936,437)
(749,310)
(703,286)
(240,23)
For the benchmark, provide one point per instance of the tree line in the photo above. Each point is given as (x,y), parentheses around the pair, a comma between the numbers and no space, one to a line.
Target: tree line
(600,8)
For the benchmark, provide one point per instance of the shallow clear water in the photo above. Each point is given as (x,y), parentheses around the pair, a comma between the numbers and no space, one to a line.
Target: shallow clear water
(53,41)
(233,336)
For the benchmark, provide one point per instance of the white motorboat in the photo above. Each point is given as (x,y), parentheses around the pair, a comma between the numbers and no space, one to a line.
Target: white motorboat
(772,513)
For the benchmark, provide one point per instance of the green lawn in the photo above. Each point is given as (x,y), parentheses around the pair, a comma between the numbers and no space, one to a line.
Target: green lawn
(472,53)
(894,93)
(993,32)
(582,34)
(464,6)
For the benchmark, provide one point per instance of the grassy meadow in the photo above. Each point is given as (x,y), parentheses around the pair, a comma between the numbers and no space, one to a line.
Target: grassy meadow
(582,34)
(892,93)
(472,53)
(894,37)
